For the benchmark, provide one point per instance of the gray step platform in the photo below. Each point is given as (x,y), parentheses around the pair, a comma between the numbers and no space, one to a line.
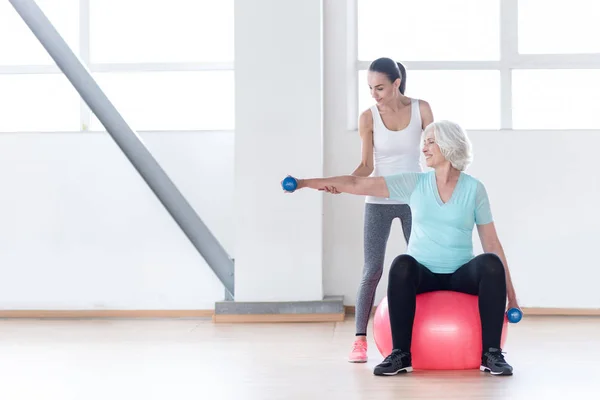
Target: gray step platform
(330,309)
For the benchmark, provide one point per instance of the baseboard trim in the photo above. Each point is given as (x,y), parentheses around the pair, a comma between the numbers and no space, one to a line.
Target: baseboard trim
(250,318)
(273,318)
(41,314)
(166,314)
(583,312)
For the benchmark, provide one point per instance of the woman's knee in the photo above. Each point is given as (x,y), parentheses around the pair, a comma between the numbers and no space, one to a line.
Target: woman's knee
(491,266)
(404,267)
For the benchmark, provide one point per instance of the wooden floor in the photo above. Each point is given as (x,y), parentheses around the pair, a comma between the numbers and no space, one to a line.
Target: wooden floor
(553,357)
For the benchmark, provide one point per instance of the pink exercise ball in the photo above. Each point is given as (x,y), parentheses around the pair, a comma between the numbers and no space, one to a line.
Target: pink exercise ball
(446,331)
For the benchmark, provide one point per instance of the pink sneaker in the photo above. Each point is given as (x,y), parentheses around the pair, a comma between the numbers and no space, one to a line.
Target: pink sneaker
(359,352)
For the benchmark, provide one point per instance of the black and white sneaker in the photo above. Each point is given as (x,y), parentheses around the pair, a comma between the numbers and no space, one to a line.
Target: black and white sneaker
(493,362)
(398,361)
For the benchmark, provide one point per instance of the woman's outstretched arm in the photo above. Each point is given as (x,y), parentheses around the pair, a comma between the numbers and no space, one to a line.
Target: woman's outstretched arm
(358,185)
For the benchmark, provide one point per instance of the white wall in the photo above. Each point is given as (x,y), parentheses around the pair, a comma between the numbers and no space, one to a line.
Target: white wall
(79,229)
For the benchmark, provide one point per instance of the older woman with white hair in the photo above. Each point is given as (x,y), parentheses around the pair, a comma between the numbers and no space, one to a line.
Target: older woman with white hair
(446,204)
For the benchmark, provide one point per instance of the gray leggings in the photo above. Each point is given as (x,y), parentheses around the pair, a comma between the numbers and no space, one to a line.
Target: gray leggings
(378,223)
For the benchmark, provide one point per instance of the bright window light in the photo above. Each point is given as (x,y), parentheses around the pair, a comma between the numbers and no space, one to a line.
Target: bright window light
(553,27)
(424,30)
(470,98)
(19,46)
(201,100)
(556,99)
(45,102)
(138,31)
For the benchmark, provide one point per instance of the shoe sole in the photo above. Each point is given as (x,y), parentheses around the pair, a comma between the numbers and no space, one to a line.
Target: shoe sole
(401,370)
(501,373)
(357,361)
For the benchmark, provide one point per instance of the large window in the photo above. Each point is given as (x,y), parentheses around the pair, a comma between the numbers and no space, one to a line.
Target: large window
(489,64)
(559,27)
(429,30)
(166,65)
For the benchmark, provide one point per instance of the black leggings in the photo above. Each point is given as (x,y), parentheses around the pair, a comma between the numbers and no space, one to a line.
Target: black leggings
(483,276)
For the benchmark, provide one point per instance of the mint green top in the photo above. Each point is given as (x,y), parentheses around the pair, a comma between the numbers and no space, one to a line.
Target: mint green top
(442,233)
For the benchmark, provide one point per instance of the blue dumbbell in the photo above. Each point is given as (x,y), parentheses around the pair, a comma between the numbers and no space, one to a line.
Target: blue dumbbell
(289,184)
(514,315)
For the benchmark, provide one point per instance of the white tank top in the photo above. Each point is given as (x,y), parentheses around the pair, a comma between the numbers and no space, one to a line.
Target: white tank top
(395,151)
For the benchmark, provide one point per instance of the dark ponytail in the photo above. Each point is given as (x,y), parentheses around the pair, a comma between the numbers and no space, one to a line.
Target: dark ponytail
(403,77)
(392,69)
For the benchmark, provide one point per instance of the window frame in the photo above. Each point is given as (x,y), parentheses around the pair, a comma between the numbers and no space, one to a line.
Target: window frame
(510,59)
(83,52)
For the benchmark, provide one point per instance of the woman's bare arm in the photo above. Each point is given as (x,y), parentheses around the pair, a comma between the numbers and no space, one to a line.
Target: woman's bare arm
(358,185)
(426,113)
(365,130)
(490,243)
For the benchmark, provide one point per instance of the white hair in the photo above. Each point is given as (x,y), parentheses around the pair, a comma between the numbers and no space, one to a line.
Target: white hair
(453,141)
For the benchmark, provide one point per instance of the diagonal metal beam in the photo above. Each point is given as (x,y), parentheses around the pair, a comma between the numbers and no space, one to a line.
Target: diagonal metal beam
(129,142)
